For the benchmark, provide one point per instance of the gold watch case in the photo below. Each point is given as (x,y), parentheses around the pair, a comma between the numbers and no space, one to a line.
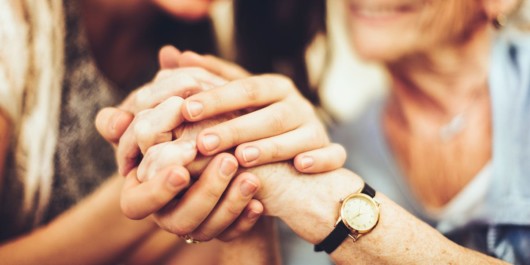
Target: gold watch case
(360,214)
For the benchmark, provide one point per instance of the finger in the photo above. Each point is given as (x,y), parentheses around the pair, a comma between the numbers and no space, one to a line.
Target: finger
(244,223)
(181,82)
(220,67)
(111,123)
(272,120)
(127,153)
(168,57)
(282,147)
(165,155)
(233,203)
(254,91)
(156,125)
(138,200)
(199,201)
(321,160)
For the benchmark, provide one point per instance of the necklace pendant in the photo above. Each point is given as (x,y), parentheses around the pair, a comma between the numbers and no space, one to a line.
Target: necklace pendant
(448,131)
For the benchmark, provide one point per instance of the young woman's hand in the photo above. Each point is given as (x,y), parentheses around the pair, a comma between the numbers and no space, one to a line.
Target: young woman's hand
(219,204)
(283,126)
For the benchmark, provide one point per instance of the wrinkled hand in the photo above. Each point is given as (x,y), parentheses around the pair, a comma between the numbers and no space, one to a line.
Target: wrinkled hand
(283,126)
(219,204)
(283,192)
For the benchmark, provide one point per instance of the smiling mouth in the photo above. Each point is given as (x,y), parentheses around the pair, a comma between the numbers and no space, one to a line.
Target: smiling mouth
(374,11)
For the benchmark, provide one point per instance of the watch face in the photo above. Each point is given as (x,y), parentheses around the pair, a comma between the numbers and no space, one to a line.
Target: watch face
(360,212)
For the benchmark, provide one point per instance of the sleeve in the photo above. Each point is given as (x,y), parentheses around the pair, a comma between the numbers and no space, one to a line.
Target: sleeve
(510,243)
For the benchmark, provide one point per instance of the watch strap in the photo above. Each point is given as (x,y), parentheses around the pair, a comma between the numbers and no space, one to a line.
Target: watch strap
(340,232)
(334,239)
(368,190)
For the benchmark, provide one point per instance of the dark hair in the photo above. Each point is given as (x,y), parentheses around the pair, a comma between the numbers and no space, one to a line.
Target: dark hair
(272,36)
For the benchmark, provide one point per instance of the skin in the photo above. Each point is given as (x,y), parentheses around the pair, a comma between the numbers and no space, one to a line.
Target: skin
(439,69)
(319,211)
(106,236)
(286,135)
(150,126)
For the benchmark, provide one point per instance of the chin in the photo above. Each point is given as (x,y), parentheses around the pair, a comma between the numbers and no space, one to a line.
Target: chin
(378,50)
(189,10)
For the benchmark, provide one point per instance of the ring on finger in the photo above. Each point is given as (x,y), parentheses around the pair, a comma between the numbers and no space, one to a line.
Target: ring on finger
(189,240)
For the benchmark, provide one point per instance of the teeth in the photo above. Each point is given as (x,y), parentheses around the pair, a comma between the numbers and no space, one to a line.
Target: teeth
(377,13)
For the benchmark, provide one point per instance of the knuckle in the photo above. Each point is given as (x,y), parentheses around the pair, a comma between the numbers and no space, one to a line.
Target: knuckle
(277,119)
(274,151)
(212,194)
(232,135)
(250,89)
(232,210)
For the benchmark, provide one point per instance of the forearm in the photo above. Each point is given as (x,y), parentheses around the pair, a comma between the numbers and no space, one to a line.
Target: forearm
(92,232)
(258,246)
(399,238)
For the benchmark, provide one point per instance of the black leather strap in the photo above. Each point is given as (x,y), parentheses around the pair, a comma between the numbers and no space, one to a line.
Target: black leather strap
(333,240)
(368,190)
(337,236)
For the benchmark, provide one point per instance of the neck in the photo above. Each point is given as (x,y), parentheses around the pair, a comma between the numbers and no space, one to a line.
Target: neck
(444,80)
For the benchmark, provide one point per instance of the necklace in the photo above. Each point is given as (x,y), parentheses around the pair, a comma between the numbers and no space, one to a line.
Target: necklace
(449,130)
(458,122)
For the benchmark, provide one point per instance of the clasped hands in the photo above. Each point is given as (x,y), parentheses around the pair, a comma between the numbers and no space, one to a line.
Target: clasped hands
(182,138)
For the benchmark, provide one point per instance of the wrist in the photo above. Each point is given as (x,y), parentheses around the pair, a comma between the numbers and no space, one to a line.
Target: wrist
(309,204)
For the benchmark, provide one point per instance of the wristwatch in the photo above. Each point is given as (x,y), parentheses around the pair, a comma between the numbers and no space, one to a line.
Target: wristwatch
(359,214)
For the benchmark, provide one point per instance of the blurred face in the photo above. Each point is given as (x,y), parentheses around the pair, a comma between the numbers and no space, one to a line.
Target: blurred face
(388,30)
(185,9)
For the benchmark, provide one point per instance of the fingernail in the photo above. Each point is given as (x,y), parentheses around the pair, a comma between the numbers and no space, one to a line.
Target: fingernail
(211,141)
(174,179)
(194,108)
(250,154)
(253,215)
(228,167)
(248,188)
(307,162)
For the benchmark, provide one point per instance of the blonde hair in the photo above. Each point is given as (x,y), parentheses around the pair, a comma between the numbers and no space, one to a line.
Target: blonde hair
(31,75)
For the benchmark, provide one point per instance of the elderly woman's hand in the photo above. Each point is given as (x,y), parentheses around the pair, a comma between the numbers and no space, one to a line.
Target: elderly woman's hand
(283,126)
